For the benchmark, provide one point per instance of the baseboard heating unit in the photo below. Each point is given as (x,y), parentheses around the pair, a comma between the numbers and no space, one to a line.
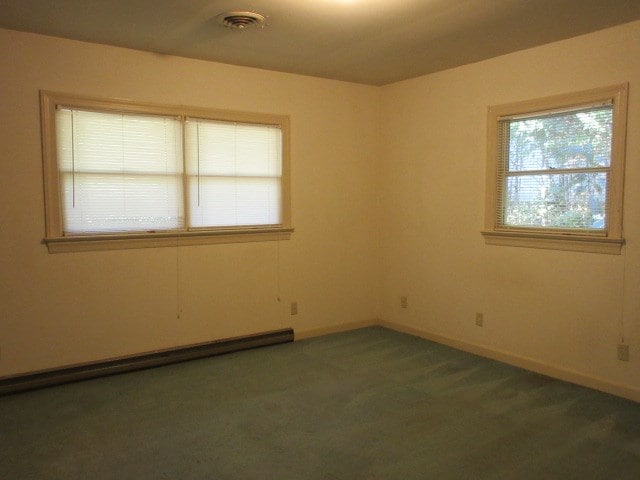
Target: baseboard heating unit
(19,383)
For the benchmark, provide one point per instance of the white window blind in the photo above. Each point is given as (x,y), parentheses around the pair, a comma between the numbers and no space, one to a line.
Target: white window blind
(119,172)
(234,173)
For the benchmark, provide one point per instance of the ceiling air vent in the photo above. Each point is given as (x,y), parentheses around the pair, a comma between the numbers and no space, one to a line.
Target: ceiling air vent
(240,20)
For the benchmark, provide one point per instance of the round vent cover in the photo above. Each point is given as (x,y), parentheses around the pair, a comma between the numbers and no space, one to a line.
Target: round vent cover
(240,20)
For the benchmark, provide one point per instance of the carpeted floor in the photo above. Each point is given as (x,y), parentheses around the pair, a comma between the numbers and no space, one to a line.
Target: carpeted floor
(366,404)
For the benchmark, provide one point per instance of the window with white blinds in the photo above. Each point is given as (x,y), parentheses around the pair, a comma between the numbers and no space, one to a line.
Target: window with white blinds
(234,173)
(119,172)
(123,171)
(555,171)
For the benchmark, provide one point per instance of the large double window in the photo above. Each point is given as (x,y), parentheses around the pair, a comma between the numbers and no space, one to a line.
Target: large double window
(555,172)
(123,175)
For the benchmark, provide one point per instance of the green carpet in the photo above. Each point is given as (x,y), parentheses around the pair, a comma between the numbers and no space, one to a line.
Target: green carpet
(365,404)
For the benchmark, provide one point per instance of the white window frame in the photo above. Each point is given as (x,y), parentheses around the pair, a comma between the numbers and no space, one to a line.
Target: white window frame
(57,241)
(608,241)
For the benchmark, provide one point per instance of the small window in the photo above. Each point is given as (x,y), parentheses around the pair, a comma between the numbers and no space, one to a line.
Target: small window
(124,175)
(555,172)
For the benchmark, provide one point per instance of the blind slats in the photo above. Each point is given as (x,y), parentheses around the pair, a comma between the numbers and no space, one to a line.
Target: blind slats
(125,172)
(119,172)
(234,173)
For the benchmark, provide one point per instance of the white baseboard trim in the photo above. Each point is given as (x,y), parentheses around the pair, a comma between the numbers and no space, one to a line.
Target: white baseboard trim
(522,362)
(341,327)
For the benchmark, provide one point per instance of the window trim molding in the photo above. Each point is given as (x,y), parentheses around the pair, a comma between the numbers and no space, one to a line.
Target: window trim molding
(610,241)
(57,242)
(163,239)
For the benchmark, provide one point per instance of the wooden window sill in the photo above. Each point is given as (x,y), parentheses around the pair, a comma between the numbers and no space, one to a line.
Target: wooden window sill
(553,241)
(87,243)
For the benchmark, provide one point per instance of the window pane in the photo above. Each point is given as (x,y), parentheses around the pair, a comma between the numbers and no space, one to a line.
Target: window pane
(120,203)
(556,201)
(234,149)
(228,201)
(577,139)
(115,142)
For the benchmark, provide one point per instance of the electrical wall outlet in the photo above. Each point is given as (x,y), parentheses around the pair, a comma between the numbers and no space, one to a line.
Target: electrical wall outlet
(479,319)
(623,352)
(403,302)
(294,308)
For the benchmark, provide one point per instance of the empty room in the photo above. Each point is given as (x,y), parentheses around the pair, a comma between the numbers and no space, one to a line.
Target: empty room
(320,239)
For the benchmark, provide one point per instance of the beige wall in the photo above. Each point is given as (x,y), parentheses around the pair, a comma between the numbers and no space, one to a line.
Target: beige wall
(67,308)
(568,310)
(388,200)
